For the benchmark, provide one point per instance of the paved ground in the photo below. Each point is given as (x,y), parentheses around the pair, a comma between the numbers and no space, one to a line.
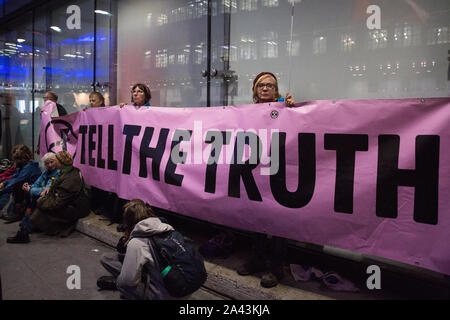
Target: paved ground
(38,270)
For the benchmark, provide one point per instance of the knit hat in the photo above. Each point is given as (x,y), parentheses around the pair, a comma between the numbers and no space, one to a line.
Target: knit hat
(262,74)
(65,158)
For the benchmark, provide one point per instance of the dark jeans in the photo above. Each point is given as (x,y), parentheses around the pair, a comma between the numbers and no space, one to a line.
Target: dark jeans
(27,225)
(4,198)
(269,250)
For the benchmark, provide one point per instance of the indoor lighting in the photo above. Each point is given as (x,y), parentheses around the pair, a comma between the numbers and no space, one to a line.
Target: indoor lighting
(55,28)
(20,40)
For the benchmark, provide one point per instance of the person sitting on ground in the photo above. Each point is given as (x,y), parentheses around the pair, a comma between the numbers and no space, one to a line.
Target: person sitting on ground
(140,96)
(52,96)
(134,251)
(8,173)
(27,170)
(59,208)
(96,100)
(45,181)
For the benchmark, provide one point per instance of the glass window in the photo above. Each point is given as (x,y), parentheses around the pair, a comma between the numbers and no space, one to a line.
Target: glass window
(164,45)
(16,101)
(336,55)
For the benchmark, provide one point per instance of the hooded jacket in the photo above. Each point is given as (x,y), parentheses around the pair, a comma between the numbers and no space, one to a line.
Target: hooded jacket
(28,173)
(139,253)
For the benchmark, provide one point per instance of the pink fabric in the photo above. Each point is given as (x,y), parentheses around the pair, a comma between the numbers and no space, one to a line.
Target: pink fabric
(317,221)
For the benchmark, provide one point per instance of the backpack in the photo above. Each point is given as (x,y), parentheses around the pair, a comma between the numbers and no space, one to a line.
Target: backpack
(182,267)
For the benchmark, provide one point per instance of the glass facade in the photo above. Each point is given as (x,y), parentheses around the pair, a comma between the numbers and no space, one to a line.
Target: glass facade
(207,52)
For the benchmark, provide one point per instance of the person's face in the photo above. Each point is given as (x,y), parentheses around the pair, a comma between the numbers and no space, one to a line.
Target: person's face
(266,89)
(138,96)
(47,96)
(50,164)
(95,101)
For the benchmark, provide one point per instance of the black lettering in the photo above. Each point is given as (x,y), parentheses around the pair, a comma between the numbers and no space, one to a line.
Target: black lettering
(130,131)
(346,146)
(91,144)
(244,170)
(112,164)
(306,171)
(100,160)
(154,153)
(216,149)
(83,130)
(170,176)
(425,178)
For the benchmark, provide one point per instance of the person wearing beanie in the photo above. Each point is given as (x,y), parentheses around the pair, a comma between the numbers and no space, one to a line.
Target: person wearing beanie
(60,206)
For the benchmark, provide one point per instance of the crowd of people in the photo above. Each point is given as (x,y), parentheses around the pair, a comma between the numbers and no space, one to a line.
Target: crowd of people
(53,200)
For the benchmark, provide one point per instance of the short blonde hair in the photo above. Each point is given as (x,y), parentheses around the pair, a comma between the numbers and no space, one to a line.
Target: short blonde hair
(262,76)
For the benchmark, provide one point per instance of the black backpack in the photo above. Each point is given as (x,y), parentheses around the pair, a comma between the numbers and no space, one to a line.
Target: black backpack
(182,267)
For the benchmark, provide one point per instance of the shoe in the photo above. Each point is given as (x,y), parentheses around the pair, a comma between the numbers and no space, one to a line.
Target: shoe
(107,283)
(251,267)
(21,237)
(269,280)
(12,218)
(221,245)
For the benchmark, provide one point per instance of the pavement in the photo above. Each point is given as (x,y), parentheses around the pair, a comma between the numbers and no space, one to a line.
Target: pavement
(39,270)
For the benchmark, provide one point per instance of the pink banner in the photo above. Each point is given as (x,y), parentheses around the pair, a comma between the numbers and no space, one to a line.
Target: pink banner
(371,176)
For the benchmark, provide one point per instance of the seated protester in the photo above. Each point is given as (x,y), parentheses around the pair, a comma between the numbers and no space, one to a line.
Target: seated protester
(45,181)
(8,173)
(27,170)
(59,208)
(135,251)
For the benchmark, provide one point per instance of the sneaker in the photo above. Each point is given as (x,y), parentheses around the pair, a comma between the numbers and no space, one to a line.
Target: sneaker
(21,237)
(221,245)
(107,283)
(251,267)
(269,280)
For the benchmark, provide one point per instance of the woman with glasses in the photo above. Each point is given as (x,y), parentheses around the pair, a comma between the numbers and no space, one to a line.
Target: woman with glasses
(268,254)
(265,89)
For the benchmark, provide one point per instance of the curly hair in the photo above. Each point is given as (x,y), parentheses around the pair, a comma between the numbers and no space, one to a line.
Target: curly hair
(21,155)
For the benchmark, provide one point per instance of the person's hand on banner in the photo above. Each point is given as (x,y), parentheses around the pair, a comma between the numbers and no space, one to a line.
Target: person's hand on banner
(289,100)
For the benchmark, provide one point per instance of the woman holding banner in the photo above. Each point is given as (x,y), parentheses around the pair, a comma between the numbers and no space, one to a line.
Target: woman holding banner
(267,253)
(140,96)
(96,100)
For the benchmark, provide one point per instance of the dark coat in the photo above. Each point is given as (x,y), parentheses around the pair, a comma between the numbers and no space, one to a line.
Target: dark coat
(66,202)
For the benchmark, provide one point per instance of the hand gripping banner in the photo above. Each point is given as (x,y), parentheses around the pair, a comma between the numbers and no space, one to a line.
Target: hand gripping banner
(371,176)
